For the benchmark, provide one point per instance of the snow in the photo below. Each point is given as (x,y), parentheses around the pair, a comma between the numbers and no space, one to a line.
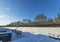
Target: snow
(29,37)
(0,41)
(4,30)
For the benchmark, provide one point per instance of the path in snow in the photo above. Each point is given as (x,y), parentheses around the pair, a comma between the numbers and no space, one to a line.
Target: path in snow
(29,37)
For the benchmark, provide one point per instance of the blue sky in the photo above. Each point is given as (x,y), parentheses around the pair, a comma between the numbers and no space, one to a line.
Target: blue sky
(16,10)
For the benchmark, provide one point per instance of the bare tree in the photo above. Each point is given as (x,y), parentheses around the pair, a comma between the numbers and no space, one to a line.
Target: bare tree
(40,18)
(50,20)
(27,21)
(57,19)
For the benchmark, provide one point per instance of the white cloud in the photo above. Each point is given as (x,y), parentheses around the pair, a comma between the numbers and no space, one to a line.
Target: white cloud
(3,16)
(6,15)
(8,9)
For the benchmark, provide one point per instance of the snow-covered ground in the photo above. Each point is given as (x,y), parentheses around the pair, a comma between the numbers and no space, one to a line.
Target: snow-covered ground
(0,41)
(34,34)
(29,37)
(38,30)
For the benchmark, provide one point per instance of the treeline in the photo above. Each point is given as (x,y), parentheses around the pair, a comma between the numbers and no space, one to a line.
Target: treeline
(39,21)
